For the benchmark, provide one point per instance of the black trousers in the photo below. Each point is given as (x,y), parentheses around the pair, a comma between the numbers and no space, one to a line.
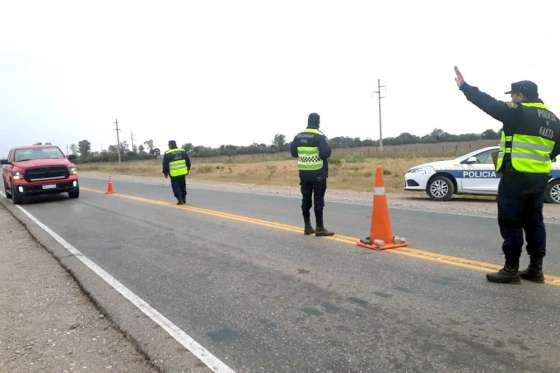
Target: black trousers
(179,186)
(520,210)
(313,193)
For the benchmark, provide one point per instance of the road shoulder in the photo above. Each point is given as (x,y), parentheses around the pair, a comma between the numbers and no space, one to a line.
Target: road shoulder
(162,350)
(47,322)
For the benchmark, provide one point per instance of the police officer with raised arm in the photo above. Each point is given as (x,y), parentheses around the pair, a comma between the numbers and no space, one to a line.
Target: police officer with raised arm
(177,165)
(313,151)
(530,140)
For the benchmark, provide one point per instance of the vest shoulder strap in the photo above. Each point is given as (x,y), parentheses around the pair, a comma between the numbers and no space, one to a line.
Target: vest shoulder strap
(538,105)
(173,150)
(312,130)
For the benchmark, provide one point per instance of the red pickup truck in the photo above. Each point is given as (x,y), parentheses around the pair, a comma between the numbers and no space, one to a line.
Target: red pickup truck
(38,169)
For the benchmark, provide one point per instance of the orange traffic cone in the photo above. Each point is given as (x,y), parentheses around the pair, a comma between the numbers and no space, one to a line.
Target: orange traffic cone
(381,233)
(110,186)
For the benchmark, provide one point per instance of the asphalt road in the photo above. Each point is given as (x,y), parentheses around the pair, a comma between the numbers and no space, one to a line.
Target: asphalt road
(264,299)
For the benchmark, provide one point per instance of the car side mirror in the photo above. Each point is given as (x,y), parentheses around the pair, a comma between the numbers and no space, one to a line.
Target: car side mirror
(471,160)
(4,161)
(72,157)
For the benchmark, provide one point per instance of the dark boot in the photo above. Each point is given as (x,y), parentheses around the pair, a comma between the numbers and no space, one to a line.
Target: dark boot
(184,200)
(308,230)
(534,271)
(179,201)
(506,275)
(323,232)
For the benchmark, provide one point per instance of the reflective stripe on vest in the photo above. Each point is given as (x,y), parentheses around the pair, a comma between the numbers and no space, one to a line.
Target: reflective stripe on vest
(178,167)
(308,156)
(503,150)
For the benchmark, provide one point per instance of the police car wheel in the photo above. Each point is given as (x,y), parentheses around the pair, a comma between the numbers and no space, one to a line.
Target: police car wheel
(552,194)
(440,188)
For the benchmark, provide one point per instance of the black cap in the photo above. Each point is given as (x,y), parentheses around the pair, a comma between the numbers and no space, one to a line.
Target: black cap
(172,144)
(313,120)
(527,87)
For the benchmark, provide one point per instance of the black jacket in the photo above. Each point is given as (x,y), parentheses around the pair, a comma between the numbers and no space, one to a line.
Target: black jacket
(514,117)
(175,157)
(313,139)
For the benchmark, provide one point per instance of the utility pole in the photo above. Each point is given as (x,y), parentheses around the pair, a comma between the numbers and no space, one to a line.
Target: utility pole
(379,97)
(117,130)
(132,141)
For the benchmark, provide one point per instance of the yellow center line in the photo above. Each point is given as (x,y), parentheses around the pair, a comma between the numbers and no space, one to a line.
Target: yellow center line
(406,251)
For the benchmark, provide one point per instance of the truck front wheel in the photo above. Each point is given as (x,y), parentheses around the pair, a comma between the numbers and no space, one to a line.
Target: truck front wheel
(74,193)
(7,191)
(17,197)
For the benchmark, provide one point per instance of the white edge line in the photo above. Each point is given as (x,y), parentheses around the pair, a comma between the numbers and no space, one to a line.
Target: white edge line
(211,361)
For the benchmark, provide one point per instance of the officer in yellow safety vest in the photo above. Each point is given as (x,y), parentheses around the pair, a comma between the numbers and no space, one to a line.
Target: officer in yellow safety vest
(530,140)
(177,165)
(312,150)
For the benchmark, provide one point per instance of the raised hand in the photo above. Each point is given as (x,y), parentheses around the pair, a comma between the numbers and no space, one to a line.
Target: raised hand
(459,77)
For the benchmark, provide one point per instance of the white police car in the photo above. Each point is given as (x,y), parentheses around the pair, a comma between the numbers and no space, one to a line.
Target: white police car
(473,173)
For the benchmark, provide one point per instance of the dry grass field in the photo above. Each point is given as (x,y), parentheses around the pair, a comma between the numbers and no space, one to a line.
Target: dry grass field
(355,175)
(350,169)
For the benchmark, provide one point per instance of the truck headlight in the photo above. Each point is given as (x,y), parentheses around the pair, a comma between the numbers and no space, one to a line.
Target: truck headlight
(17,176)
(73,170)
(422,170)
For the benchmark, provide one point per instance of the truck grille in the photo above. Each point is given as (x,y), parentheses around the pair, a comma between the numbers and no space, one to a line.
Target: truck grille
(46,173)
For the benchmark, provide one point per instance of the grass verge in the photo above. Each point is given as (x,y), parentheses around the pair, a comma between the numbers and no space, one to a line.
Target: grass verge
(349,172)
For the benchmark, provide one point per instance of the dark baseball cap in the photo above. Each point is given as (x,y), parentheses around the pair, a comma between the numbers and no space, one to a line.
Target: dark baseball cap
(527,87)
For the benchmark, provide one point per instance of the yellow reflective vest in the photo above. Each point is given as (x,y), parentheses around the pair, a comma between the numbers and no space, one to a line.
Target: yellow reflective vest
(177,163)
(529,150)
(308,156)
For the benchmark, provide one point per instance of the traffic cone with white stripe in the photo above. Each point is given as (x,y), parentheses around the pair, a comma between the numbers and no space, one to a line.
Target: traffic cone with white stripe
(381,233)
(110,186)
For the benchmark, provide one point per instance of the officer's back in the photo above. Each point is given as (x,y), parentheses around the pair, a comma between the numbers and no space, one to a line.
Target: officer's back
(313,150)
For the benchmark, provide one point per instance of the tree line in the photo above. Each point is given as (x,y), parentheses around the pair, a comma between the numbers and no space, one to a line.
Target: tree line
(279,144)
(147,150)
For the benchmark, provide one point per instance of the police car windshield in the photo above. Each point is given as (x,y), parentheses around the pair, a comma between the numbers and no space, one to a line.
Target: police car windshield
(478,153)
(23,155)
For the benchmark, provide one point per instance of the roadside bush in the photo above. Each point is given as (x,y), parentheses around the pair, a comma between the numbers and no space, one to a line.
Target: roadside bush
(355,158)
(336,161)
(205,169)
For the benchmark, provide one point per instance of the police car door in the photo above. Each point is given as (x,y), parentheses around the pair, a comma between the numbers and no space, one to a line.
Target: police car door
(479,174)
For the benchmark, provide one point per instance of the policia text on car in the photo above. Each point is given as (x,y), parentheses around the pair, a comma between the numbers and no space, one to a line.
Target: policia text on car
(312,150)
(530,140)
(177,165)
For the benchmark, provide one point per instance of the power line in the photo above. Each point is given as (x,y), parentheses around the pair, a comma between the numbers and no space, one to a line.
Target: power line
(117,130)
(379,97)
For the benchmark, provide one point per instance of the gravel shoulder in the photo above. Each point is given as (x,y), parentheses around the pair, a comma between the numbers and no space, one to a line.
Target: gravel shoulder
(47,324)
(461,205)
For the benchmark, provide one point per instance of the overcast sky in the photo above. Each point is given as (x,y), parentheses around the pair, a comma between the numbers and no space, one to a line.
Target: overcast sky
(218,72)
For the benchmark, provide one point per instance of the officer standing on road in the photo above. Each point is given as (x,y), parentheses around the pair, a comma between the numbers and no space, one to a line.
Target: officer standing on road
(312,150)
(177,165)
(530,139)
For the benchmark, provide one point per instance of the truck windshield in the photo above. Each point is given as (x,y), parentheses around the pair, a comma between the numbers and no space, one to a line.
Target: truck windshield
(38,153)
